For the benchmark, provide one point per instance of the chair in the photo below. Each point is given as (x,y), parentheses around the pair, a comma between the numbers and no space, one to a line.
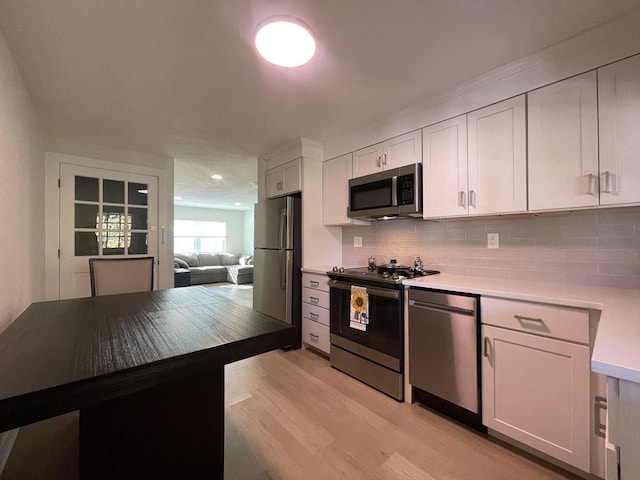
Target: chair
(110,276)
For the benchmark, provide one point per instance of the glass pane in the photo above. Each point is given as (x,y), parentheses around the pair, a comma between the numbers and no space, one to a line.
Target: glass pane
(138,193)
(184,244)
(114,242)
(138,243)
(113,218)
(86,189)
(212,229)
(138,218)
(211,245)
(185,228)
(86,216)
(86,243)
(113,191)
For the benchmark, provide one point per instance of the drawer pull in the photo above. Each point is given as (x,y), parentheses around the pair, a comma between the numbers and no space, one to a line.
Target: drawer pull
(314,338)
(314,283)
(599,428)
(522,318)
(314,316)
(486,346)
(314,300)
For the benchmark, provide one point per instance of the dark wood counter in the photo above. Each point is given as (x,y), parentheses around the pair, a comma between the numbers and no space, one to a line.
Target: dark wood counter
(146,371)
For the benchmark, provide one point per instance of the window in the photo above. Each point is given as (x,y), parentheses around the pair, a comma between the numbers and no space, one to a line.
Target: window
(199,237)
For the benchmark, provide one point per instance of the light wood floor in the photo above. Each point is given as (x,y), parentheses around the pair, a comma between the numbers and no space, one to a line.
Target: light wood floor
(291,416)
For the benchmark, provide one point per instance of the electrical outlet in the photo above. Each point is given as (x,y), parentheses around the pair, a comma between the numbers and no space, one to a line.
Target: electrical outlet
(493,240)
(357,241)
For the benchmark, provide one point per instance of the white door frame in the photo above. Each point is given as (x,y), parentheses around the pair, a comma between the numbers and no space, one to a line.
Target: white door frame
(53,162)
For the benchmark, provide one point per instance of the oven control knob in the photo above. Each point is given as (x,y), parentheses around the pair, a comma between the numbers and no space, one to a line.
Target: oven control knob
(341,270)
(334,269)
(395,276)
(385,274)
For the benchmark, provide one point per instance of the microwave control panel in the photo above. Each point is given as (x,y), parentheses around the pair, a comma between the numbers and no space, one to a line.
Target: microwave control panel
(406,189)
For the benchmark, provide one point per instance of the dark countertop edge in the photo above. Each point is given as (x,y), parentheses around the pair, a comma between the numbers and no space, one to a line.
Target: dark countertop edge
(36,406)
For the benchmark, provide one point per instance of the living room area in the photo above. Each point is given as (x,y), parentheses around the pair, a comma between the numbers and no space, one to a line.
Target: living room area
(213,247)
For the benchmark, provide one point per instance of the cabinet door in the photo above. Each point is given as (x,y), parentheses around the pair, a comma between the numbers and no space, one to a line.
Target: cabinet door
(619,117)
(444,169)
(292,176)
(498,158)
(403,150)
(275,182)
(563,144)
(536,391)
(367,160)
(336,174)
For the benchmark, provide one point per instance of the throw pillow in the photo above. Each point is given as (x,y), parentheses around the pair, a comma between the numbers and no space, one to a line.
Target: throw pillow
(179,263)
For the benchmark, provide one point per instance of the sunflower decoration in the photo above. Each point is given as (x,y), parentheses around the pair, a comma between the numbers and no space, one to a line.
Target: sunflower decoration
(359,301)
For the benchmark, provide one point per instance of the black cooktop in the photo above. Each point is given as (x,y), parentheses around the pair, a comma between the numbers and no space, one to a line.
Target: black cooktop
(385,278)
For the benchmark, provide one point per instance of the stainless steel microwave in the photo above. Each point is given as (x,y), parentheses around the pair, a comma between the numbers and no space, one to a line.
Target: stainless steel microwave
(392,193)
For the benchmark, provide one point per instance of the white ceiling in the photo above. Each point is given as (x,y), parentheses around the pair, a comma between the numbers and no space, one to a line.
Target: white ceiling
(181,78)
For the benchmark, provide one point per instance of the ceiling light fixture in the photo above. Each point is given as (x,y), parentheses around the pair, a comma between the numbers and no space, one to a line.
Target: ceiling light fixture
(216,177)
(177,198)
(285,41)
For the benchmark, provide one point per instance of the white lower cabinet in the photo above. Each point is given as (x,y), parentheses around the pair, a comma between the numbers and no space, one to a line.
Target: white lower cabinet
(315,311)
(536,388)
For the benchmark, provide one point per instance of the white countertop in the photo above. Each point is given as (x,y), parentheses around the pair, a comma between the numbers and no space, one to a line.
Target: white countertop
(616,352)
(321,270)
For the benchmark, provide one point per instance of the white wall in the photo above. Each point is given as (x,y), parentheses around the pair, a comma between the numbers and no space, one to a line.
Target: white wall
(233,218)
(21,194)
(21,204)
(248,222)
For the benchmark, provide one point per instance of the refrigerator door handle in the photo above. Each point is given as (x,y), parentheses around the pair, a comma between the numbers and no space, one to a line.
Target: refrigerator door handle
(283,269)
(283,228)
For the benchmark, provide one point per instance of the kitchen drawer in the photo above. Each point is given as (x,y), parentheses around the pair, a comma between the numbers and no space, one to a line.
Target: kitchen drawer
(315,297)
(540,319)
(315,335)
(317,314)
(315,281)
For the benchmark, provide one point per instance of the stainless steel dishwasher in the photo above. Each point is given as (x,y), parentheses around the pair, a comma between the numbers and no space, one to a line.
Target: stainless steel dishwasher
(444,366)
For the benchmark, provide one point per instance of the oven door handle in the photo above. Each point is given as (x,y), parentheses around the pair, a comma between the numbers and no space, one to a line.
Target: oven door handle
(377,292)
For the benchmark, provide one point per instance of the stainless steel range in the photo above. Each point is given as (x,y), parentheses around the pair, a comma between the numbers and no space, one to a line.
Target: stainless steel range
(367,323)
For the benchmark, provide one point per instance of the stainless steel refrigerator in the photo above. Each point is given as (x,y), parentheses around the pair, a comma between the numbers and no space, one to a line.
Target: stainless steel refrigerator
(277,280)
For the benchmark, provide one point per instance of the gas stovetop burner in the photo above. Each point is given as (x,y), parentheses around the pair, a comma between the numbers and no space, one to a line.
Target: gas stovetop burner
(381,275)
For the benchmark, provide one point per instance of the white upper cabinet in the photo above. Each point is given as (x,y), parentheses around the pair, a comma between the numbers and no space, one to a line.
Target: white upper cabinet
(444,168)
(619,117)
(284,179)
(497,155)
(563,144)
(475,164)
(396,152)
(335,195)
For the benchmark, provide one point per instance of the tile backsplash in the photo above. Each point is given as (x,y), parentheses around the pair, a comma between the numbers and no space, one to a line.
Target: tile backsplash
(586,247)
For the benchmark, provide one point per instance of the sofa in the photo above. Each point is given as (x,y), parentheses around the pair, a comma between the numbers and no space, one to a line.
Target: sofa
(215,267)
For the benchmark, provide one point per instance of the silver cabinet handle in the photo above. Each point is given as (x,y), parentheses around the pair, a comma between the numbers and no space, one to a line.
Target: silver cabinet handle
(314,316)
(384,159)
(463,199)
(379,161)
(280,185)
(600,405)
(522,318)
(314,338)
(314,283)
(609,182)
(314,300)
(473,199)
(486,346)
(592,179)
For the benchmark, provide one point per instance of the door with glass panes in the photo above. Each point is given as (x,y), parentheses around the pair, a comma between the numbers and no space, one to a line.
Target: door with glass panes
(103,213)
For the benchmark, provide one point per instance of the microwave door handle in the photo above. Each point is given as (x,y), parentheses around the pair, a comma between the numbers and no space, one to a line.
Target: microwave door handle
(394,191)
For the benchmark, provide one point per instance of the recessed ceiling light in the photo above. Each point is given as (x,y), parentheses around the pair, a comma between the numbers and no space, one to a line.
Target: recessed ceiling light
(285,41)
(177,198)
(216,177)
(237,204)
